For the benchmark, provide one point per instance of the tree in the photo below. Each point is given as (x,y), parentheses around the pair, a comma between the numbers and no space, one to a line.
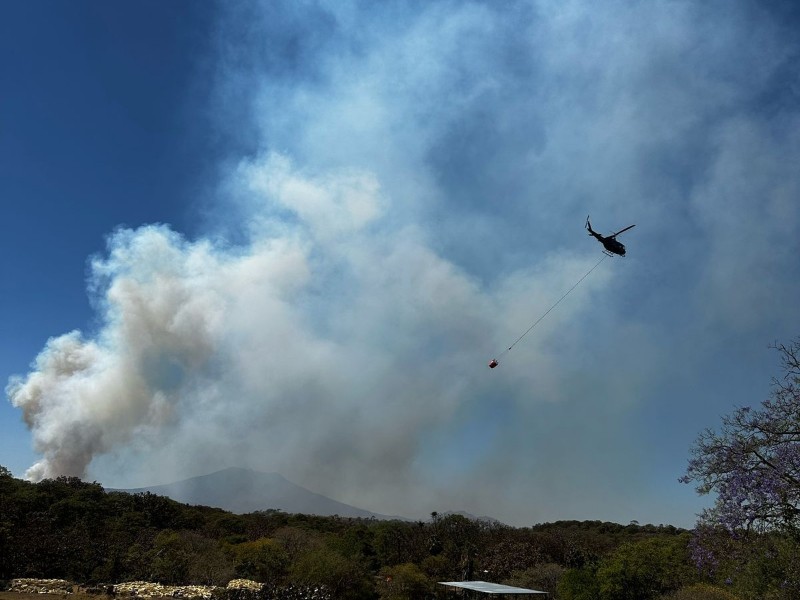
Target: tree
(544,577)
(297,542)
(403,582)
(646,569)
(346,579)
(702,591)
(208,563)
(753,463)
(578,584)
(394,543)
(264,560)
(753,565)
(171,558)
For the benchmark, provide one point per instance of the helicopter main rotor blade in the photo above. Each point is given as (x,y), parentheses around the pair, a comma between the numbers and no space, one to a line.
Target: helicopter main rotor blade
(622,230)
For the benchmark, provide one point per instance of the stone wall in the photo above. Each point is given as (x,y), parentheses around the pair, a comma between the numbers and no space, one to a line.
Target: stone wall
(146,589)
(237,589)
(41,586)
(244,584)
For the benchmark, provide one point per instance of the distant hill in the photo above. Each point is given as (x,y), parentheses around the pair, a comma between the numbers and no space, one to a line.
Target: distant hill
(244,491)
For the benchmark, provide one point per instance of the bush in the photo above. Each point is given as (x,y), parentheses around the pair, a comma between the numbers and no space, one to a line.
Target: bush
(345,578)
(403,582)
(543,577)
(702,591)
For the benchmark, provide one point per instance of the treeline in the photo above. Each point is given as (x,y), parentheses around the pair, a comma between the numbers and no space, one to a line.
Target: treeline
(70,529)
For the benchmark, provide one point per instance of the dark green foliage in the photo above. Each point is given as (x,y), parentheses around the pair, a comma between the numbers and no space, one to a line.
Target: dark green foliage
(345,578)
(646,569)
(264,560)
(579,584)
(752,565)
(543,577)
(75,530)
(702,591)
(403,582)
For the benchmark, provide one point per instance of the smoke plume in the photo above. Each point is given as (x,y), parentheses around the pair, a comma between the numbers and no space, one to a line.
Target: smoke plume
(407,186)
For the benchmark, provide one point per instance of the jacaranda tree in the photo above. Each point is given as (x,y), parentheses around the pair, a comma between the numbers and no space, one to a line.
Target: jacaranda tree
(753,462)
(749,540)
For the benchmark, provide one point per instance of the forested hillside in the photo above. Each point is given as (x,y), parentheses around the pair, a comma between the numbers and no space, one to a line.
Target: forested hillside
(67,528)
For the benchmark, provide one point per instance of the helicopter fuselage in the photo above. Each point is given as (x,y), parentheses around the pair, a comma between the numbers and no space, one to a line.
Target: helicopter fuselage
(613,246)
(610,243)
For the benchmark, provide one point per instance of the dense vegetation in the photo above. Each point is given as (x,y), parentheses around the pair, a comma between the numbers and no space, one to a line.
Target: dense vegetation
(67,528)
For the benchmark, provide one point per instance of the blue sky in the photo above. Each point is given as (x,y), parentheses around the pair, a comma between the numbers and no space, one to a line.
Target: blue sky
(290,235)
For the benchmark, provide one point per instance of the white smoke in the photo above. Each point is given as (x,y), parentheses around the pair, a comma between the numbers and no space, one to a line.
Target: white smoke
(326,343)
(435,168)
(162,302)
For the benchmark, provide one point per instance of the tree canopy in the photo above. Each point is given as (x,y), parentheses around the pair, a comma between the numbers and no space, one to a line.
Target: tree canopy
(75,530)
(750,538)
(753,462)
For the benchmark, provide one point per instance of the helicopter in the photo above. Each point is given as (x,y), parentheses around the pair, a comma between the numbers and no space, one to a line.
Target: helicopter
(610,243)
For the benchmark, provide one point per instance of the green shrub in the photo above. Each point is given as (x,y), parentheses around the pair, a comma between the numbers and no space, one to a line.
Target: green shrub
(702,591)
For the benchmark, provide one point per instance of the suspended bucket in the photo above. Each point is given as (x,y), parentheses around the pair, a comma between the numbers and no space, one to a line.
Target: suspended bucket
(493,363)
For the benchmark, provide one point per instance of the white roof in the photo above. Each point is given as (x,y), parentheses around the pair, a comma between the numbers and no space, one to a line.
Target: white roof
(489,588)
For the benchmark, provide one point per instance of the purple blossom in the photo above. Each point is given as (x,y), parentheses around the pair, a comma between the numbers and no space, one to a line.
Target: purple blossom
(752,464)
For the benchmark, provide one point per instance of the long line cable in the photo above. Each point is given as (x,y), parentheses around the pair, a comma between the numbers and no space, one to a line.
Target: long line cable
(554,305)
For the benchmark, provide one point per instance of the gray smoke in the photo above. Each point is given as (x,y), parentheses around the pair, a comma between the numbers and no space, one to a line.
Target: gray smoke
(327,344)
(413,203)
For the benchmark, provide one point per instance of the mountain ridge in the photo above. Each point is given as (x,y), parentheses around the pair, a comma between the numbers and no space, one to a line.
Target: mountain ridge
(242,491)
